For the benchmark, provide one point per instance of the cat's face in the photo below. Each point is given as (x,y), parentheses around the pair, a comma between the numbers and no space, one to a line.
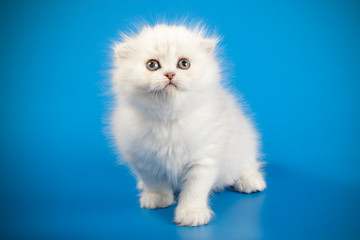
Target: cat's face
(165,60)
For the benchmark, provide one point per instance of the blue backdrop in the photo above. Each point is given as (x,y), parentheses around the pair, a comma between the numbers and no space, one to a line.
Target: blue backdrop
(296,63)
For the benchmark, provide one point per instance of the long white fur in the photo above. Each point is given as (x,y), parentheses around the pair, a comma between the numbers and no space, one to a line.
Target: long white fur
(194,138)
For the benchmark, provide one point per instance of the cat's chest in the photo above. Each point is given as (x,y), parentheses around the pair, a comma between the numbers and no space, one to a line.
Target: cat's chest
(164,148)
(165,140)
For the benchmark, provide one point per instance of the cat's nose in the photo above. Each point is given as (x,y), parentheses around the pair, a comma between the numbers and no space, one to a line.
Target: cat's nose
(169,75)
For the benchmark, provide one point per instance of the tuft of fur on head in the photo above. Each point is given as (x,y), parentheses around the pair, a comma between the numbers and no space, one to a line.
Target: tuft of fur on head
(166,44)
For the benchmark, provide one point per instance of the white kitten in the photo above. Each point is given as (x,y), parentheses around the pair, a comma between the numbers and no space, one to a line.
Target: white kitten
(176,125)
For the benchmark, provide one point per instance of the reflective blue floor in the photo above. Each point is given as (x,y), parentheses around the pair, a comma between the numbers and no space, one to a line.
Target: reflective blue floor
(294,206)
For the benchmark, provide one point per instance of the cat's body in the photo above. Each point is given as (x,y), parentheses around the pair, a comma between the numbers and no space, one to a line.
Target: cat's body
(176,126)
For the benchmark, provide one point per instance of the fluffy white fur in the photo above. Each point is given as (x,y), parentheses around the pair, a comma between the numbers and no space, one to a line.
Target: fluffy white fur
(192,137)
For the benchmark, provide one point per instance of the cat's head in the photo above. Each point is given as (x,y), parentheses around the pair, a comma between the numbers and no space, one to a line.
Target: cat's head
(166,61)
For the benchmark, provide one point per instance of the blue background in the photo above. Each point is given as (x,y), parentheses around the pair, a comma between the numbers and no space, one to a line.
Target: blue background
(296,63)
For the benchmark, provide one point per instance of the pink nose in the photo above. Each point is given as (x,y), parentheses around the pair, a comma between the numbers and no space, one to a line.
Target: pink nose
(169,75)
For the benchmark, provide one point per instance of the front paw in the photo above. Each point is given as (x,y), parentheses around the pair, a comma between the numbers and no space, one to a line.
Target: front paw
(192,215)
(153,200)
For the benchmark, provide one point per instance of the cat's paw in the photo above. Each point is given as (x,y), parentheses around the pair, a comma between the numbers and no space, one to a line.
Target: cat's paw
(249,183)
(192,215)
(152,199)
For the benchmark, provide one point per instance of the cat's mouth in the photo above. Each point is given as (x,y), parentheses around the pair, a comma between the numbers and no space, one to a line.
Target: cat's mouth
(170,85)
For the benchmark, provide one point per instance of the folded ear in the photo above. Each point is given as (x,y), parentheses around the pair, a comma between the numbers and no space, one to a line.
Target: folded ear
(122,50)
(208,45)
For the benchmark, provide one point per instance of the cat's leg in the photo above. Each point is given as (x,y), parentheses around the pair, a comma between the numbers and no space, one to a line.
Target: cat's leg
(156,192)
(251,181)
(193,209)
(140,185)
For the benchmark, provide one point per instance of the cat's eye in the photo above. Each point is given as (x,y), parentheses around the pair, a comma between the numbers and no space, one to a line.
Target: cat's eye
(153,65)
(183,64)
